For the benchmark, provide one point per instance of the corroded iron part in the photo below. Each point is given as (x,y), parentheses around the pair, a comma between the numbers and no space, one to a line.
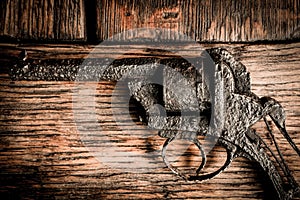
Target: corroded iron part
(242,107)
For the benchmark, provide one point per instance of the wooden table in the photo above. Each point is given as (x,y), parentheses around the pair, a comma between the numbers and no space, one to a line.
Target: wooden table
(42,155)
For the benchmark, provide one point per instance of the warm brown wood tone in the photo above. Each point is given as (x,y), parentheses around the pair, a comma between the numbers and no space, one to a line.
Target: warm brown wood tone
(42,156)
(207,20)
(43,19)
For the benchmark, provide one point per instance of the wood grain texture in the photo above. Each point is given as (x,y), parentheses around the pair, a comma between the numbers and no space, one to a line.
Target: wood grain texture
(42,155)
(206,20)
(43,20)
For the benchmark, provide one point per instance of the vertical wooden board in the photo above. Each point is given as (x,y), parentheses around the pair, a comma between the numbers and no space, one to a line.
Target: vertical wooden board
(2,14)
(237,21)
(205,20)
(117,16)
(43,20)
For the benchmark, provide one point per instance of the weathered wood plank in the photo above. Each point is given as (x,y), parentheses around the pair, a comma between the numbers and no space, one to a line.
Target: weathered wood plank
(207,20)
(220,21)
(42,155)
(43,20)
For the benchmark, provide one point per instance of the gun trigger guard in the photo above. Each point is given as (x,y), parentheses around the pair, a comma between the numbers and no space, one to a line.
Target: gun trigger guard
(231,154)
(175,169)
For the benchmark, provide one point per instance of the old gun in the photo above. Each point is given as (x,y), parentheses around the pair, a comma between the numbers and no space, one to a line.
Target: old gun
(233,114)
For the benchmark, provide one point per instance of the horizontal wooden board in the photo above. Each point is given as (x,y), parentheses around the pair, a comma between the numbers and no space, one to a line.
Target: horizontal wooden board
(207,20)
(43,20)
(42,154)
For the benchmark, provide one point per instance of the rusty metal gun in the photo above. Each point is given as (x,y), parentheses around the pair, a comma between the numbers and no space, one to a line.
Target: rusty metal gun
(231,114)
